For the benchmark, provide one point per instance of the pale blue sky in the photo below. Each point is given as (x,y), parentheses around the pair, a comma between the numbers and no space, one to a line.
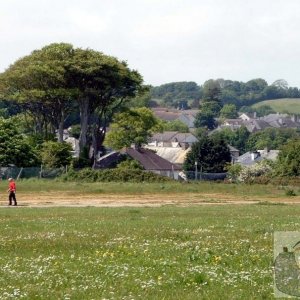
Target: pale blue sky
(165,40)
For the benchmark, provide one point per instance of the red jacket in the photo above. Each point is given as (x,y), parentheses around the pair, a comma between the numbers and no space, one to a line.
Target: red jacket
(12,186)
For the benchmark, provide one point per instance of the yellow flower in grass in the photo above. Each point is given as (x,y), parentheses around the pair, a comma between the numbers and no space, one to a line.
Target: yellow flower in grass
(217,259)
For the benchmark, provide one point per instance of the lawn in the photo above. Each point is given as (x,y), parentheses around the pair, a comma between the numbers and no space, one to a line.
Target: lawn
(196,252)
(285,105)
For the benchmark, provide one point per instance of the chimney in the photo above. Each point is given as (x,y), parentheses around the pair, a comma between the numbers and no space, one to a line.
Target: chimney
(254,115)
(254,155)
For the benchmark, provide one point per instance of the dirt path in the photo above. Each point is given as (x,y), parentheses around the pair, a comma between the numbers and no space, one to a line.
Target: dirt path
(56,199)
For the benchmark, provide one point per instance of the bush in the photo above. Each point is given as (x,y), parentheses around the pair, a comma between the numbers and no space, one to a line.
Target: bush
(56,155)
(252,173)
(129,164)
(233,172)
(290,192)
(113,175)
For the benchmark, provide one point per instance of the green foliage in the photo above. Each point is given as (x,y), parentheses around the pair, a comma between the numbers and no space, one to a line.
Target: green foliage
(175,125)
(56,155)
(264,110)
(211,92)
(177,94)
(271,138)
(290,192)
(75,131)
(229,111)
(249,174)
(38,82)
(211,154)
(132,127)
(83,161)
(130,164)
(142,99)
(288,162)
(15,148)
(210,106)
(113,175)
(233,172)
(57,79)
(205,119)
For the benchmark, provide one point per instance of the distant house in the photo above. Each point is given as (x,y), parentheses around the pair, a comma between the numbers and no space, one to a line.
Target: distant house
(175,155)
(148,159)
(282,121)
(247,116)
(254,124)
(187,119)
(168,114)
(153,162)
(250,158)
(172,139)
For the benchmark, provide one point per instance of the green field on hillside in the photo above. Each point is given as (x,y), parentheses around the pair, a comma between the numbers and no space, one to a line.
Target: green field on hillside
(198,252)
(284,105)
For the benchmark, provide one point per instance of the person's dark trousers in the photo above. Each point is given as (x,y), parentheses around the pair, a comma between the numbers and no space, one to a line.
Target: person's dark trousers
(12,196)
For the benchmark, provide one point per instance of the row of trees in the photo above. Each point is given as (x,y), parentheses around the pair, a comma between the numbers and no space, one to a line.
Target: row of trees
(185,95)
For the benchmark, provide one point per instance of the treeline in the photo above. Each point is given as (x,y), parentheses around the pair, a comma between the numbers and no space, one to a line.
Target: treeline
(185,95)
(178,94)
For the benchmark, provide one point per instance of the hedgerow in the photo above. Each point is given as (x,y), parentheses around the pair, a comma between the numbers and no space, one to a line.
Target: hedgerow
(112,175)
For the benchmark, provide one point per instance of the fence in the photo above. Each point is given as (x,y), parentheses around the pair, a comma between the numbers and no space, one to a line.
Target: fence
(41,172)
(205,176)
(38,172)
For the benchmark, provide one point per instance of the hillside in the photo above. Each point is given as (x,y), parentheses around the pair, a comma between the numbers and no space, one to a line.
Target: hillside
(284,105)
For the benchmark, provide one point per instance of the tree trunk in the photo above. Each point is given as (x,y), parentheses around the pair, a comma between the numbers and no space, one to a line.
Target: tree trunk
(61,128)
(84,122)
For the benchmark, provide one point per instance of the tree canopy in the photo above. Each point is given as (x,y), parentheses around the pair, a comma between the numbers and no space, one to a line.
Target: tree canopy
(51,81)
(15,148)
(231,92)
(211,155)
(132,127)
(288,162)
(178,94)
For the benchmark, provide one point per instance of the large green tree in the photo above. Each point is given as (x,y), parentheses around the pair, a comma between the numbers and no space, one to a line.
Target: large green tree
(105,83)
(205,119)
(288,162)
(48,83)
(228,111)
(237,138)
(132,127)
(56,155)
(211,155)
(271,138)
(15,148)
(38,82)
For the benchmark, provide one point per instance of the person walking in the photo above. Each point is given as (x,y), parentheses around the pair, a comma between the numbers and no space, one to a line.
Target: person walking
(12,191)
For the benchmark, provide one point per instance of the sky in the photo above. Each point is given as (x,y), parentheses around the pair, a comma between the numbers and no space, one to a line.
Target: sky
(165,40)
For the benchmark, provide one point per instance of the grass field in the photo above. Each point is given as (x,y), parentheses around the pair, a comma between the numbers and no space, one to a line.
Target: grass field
(284,105)
(169,252)
(198,252)
(175,187)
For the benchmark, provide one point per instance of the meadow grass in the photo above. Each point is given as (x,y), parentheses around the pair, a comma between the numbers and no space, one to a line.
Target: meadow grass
(198,252)
(284,105)
(241,190)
